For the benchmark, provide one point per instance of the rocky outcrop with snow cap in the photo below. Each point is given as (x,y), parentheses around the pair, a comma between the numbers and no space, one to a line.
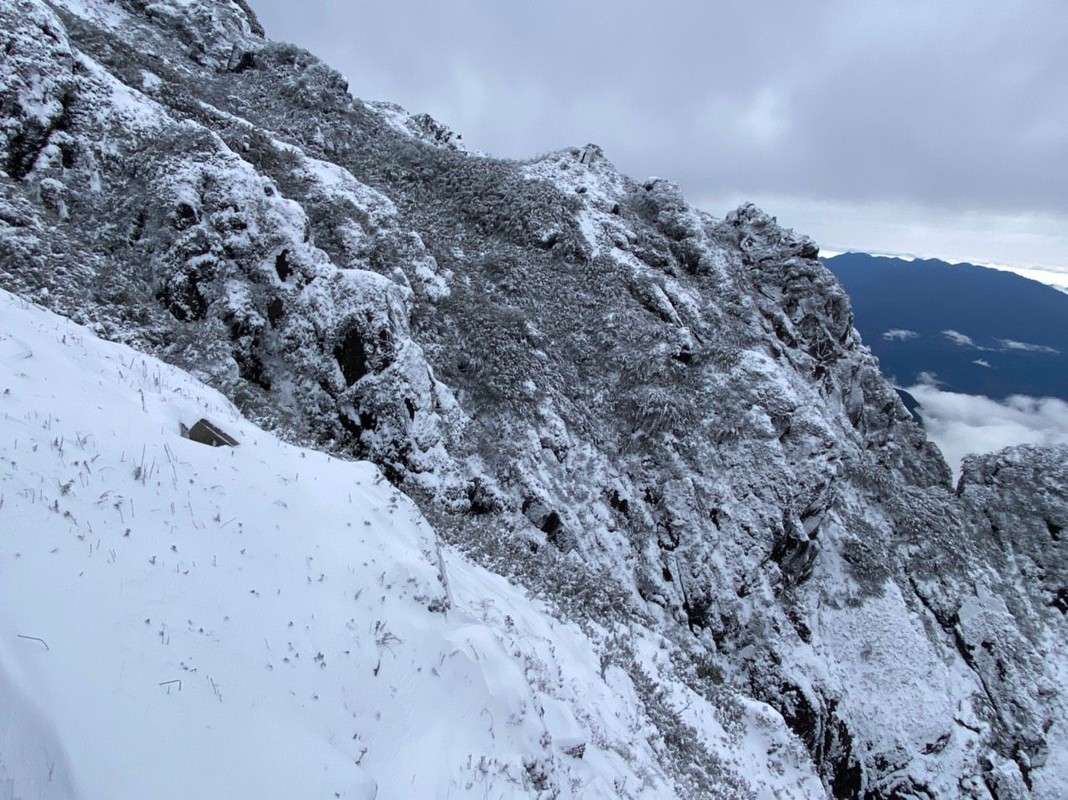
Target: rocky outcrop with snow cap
(662,422)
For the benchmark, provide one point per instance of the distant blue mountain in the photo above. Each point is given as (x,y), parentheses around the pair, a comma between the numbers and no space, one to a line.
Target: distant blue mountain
(978,330)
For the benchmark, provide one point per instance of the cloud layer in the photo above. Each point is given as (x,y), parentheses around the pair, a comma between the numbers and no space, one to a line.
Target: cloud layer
(1027,347)
(960,339)
(900,334)
(938,122)
(961,424)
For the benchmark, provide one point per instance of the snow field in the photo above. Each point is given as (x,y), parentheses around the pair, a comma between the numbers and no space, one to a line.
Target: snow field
(183,621)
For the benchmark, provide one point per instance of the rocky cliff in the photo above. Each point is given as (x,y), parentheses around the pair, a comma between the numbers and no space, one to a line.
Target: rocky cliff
(662,422)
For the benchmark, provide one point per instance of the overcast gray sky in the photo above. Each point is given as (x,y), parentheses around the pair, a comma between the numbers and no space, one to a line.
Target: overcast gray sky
(903,126)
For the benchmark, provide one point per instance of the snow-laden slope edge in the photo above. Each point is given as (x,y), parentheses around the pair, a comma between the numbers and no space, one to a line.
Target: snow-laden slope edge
(183,621)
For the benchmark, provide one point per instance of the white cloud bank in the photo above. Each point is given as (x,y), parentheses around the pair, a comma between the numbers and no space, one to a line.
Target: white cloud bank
(1027,347)
(961,424)
(900,334)
(963,340)
(960,339)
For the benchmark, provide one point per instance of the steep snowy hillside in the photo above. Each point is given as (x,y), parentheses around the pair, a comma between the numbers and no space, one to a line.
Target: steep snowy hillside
(178,620)
(661,424)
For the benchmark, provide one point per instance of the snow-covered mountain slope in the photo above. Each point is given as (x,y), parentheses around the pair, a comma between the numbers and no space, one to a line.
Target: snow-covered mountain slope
(660,423)
(178,620)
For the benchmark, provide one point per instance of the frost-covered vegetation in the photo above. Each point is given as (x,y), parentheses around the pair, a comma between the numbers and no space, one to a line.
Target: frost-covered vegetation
(660,423)
(183,621)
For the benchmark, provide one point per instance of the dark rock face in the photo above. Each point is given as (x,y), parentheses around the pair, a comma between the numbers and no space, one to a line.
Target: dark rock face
(205,432)
(1015,500)
(352,357)
(826,737)
(662,422)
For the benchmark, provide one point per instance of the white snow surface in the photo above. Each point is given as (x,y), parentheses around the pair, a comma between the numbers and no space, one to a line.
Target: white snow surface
(264,621)
(247,622)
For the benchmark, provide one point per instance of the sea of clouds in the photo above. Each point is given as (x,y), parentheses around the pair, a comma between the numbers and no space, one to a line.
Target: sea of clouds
(961,424)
